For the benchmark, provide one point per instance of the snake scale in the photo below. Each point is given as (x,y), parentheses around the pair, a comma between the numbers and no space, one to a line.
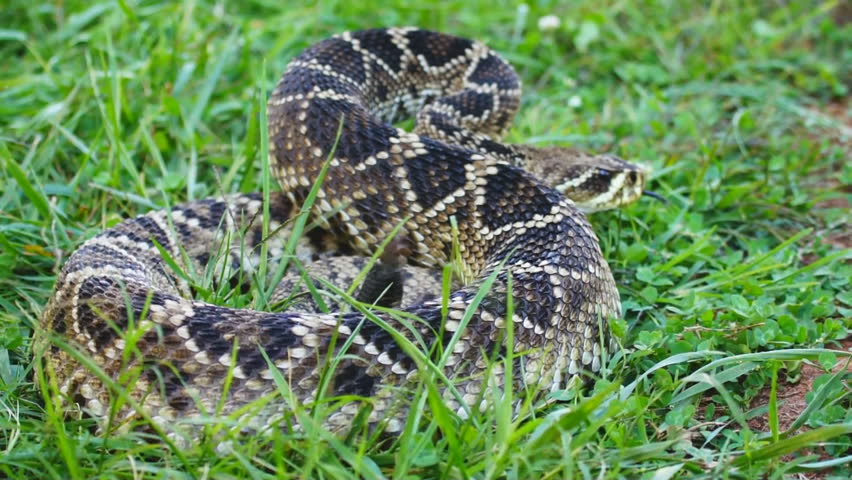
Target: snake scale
(155,352)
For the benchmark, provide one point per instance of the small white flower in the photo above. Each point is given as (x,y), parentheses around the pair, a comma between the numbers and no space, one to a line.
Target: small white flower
(219,10)
(548,23)
(575,101)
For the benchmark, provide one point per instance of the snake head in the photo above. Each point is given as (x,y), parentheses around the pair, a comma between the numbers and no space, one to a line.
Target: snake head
(593,182)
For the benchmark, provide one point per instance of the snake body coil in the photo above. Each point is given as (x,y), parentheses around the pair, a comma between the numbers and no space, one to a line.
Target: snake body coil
(118,302)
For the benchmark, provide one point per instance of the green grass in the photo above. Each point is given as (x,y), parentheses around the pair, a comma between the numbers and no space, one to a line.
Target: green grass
(109,109)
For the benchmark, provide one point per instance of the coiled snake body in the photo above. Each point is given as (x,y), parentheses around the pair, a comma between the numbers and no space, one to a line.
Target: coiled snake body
(121,304)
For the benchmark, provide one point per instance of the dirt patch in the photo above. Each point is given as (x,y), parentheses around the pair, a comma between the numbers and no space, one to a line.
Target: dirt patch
(839,236)
(834,122)
(830,179)
(791,403)
(842,13)
(842,240)
(838,111)
(791,396)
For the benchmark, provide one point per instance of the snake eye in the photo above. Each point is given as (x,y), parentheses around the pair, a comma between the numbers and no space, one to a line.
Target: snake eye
(603,173)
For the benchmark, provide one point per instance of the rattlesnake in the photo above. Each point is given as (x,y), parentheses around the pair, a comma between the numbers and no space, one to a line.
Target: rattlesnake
(496,210)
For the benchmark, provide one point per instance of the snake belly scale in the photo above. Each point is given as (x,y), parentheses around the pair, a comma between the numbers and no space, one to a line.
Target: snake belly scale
(336,101)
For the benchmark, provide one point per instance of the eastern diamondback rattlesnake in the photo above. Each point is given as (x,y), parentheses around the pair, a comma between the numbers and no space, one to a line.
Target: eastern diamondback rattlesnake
(165,356)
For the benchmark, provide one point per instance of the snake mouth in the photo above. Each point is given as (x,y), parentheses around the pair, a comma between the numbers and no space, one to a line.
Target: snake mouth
(655,195)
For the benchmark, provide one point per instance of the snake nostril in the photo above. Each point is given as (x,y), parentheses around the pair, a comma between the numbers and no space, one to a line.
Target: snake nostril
(632,177)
